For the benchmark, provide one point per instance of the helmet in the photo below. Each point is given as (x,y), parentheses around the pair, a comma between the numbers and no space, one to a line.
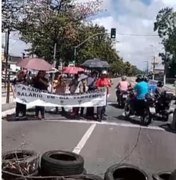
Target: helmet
(104,72)
(160,84)
(124,78)
(139,78)
(145,78)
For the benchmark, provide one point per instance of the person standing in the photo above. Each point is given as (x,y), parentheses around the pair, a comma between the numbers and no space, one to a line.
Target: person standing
(91,83)
(60,88)
(102,81)
(73,88)
(20,108)
(82,89)
(41,83)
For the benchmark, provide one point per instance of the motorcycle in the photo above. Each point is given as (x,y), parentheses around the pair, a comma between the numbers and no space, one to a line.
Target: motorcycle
(162,106)
(121,98)
(173,125)
(143,109)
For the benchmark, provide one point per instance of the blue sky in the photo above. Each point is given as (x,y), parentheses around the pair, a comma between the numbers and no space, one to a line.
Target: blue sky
(128,17)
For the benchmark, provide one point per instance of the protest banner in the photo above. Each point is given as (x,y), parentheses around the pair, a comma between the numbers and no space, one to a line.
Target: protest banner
(35,97)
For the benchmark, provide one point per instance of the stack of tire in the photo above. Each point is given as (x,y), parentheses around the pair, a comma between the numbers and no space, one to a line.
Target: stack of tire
(18,163)
(54,165)
(63,165)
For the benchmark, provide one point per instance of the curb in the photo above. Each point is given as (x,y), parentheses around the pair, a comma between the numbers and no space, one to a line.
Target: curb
(8,112)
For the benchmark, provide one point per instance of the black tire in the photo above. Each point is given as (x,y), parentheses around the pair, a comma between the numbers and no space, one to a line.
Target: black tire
(146,119)
(61,163)
(161,176)
(125,171)
(165,117)
(26,164)
(173,175)
(127,111)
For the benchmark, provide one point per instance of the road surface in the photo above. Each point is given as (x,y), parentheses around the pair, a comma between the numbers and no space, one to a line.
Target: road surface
(101,144)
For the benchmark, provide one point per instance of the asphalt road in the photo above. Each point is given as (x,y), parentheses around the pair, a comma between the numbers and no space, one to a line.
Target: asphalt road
(112,141)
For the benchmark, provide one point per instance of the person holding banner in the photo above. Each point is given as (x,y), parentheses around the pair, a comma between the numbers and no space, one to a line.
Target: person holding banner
(91,83)
(20,108)
(102,81)
(40,82)
(60,88)
(73,88)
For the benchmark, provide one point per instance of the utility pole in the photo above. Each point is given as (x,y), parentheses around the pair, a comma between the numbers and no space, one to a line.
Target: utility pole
(154,63)
(7,73)
(165,69)
(54,59)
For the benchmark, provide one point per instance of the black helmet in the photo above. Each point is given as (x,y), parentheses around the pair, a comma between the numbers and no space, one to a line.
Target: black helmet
(145,78)
(139,78)
(160,84)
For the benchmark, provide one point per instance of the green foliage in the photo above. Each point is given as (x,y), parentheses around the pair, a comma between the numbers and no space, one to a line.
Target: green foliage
(165,25)
(46,23)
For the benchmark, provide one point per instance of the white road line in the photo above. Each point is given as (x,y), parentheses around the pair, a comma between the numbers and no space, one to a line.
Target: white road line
(84,139)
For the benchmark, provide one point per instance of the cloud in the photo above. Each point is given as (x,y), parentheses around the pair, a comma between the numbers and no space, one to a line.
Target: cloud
(135,17)
(128,17)
(16,46)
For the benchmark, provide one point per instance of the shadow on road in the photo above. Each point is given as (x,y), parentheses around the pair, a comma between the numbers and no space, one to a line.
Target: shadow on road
(167,128)
(130,120)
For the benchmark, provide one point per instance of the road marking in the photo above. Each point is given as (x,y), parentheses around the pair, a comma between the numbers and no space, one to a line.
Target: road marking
(84,139)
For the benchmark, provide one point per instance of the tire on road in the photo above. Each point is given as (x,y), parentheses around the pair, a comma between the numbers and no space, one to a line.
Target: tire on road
(173,175)
(162,176)
(125,171)
(61,163)
(146,119)
(19,162)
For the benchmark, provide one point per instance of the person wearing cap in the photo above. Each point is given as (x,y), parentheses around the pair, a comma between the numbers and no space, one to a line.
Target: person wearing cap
(102,81)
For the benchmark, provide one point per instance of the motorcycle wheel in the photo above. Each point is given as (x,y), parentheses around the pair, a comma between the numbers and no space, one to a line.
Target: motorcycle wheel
(165,117)
(127,111)
(146,119)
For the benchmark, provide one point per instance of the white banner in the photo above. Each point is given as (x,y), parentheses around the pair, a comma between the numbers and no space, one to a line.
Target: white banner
(35,97)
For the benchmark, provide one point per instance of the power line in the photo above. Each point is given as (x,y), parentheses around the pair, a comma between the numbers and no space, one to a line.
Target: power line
(147,35)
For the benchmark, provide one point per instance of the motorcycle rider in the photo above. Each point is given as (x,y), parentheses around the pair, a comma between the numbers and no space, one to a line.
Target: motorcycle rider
(141,90)
(160,88)
(122,86)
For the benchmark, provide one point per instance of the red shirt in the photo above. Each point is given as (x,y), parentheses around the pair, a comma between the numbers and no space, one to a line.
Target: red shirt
(103,82)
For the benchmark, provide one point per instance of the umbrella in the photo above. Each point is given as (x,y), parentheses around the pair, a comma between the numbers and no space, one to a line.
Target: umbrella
(35,64)
(72,70)
(96,63)
(82,77)
(53,70)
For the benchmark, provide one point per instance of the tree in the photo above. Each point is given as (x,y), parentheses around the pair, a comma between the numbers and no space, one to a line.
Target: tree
(165,25)
(45,23)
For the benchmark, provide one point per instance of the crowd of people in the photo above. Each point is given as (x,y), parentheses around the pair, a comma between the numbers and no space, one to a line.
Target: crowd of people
(79,83)
(82,83)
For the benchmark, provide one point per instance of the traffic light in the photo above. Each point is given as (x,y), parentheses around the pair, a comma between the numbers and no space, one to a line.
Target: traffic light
(113,33)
